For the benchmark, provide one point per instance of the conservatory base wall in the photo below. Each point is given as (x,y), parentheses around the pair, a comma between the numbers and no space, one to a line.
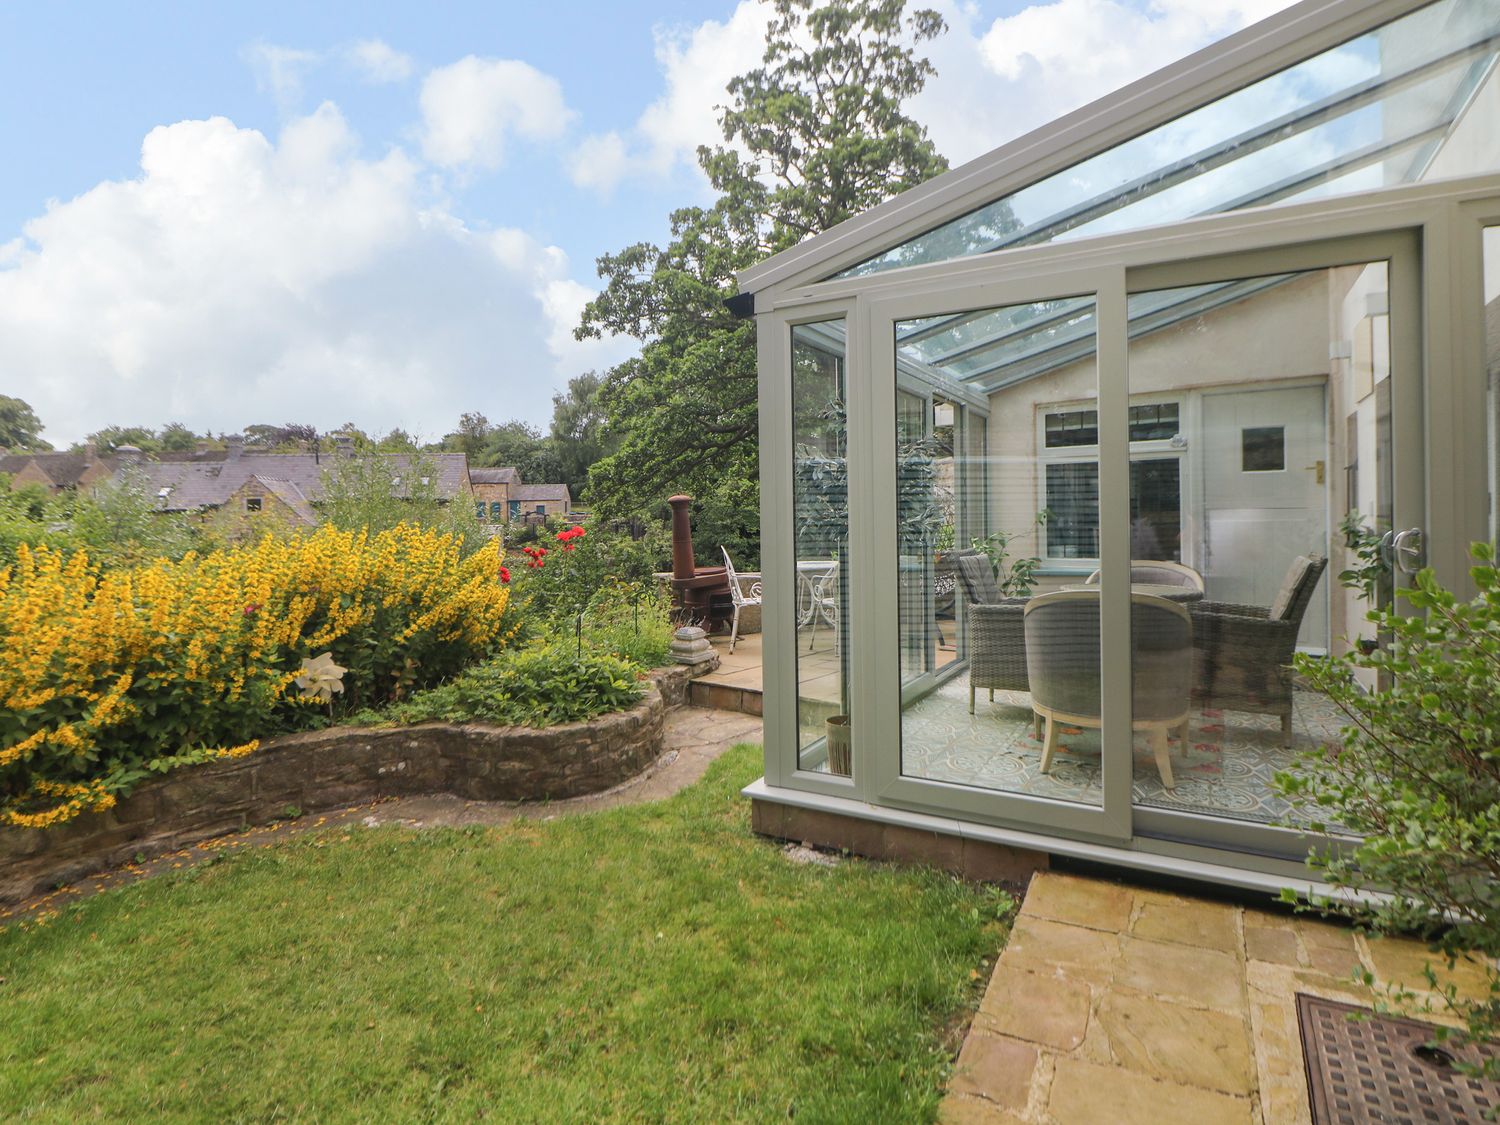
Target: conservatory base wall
(1005,855)
(981,860)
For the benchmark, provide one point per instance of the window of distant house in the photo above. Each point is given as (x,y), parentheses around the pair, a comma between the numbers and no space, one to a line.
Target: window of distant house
(541,509)
(495,510)
(252,503)
(479,509)
(1070,482)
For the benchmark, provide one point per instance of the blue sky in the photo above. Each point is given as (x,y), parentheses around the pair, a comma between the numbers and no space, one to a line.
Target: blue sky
(388,214)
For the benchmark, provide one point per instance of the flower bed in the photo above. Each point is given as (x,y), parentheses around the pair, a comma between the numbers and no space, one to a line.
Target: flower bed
(343,766)
(108,677)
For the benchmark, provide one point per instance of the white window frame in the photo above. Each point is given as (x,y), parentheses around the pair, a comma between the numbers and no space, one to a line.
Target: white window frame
(1156,449)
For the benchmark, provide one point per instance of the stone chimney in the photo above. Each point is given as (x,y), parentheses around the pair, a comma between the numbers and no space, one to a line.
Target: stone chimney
(202,447)
(234,445)
(90,453)
(344,444)
(129,455)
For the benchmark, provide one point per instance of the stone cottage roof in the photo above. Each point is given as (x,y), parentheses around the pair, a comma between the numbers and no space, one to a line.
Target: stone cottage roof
(208,484)
(540,493)
(64,470)
(505,475)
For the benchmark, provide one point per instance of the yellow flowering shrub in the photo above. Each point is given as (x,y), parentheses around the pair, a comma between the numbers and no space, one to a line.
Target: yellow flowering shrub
(109,675)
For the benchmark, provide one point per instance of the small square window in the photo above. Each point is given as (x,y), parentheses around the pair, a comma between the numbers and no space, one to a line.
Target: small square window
(479,509)
(252,503)
(1263,449)
(495,510)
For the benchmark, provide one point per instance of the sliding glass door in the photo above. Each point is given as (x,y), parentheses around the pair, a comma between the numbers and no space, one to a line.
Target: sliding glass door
(1099,605)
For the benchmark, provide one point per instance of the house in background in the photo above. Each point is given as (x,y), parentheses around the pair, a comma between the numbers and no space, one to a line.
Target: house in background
(59,472)
(283,486)
(1165,345)
(493,493)
(543,499)
(500,497)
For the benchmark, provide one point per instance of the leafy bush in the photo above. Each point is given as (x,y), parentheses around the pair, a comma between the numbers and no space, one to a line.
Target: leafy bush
(362,493)
(119,523)
(632,620)
(1418,776)
(106,675)
(534,687)
(559,577)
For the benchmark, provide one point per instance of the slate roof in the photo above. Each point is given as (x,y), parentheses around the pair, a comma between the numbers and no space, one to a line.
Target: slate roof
(64,469)
(289,494)
(542,492)
(208,484)
(494,476)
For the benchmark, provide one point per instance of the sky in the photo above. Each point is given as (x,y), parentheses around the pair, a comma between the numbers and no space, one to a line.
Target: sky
(389,213)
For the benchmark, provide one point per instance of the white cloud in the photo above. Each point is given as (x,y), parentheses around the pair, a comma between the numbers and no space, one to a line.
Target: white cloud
(280,70)
(998,81)
(241,279)
(696,63)
(471,108)
(377,62)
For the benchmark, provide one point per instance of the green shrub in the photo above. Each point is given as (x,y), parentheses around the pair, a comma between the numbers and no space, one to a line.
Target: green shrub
(534,687)
(632,620)
(561,581)
(1418,777)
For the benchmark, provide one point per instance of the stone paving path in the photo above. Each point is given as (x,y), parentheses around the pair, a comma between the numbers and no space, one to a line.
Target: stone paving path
(1120,1005)
(693,738)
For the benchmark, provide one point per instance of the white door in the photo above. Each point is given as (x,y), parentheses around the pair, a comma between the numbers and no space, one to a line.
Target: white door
(1265,496)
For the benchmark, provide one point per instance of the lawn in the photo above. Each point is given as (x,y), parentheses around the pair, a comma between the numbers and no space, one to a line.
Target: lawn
(657,962)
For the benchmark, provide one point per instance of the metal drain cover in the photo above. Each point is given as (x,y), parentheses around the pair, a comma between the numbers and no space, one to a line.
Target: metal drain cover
(1381,1070)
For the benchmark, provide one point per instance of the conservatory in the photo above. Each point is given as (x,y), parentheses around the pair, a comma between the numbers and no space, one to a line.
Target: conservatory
(1067,452)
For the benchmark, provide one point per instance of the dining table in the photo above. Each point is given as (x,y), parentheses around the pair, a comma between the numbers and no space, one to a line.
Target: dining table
(1156,589)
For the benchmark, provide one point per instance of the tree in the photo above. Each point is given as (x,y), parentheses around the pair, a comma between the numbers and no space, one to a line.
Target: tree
(523,446)
(177,438)
(111,438)
(474,431)
(20,428)
(822,123)
(580,430)
(287,438)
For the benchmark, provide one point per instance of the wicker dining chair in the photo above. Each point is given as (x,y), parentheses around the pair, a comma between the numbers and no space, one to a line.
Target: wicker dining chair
(1159,573)
(997,631)
(1244,652)
(1062,653)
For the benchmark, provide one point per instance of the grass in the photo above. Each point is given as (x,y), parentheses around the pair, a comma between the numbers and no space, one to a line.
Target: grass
(657,963)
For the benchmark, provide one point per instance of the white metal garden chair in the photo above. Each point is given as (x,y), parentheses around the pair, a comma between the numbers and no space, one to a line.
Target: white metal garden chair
(825,605)
(745,589)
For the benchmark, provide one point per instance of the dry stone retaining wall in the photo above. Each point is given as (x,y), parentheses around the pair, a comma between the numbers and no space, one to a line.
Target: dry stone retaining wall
(344,766)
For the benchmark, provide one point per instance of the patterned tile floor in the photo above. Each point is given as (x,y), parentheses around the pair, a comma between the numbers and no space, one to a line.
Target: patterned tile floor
(1226,771)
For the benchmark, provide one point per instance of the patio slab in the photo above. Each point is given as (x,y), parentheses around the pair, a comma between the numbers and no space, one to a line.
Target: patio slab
(1120,1004)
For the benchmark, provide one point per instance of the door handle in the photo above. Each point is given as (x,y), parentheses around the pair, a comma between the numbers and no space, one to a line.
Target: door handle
(1408,550)
(1321,467)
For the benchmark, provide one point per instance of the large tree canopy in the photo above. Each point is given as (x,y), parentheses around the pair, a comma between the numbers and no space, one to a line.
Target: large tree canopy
(20,428)
(814,135)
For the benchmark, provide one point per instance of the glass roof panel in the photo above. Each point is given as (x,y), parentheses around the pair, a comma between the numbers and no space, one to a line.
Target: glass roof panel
(994,348)
(1388,107)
